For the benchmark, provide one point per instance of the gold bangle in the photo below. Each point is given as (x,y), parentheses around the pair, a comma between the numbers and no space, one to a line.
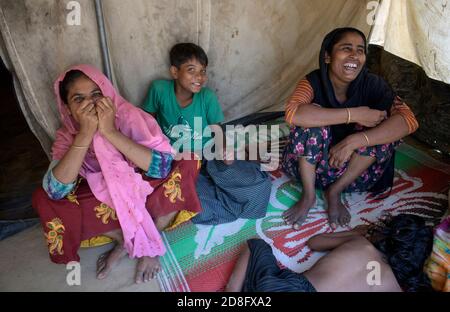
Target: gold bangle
(79,146)
(349,115)
(367,139)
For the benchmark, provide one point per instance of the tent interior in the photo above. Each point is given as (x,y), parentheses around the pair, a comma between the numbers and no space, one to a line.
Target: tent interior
(258,50)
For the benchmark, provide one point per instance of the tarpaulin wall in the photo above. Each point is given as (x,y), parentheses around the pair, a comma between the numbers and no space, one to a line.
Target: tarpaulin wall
(258,49)
(417,31)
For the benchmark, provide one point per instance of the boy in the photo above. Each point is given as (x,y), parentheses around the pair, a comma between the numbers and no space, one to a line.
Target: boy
(184,107)
(187,111)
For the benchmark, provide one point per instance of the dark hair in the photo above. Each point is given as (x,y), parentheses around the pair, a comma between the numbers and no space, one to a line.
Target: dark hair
(336,35)
(183,52)
(406,243)
(64,86)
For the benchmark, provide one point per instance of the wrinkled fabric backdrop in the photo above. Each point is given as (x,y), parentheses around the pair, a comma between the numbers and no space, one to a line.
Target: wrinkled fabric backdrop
(258,49)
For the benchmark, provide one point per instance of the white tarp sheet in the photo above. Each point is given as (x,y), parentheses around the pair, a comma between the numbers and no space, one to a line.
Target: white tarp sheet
(418,31)
(258,49)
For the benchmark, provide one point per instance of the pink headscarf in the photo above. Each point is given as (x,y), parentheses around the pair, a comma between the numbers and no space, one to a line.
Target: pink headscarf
(111,177)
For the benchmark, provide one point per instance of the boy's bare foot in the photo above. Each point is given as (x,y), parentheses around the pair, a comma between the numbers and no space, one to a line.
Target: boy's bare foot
(337,212)
(147,268)
(297,214)
(108,260)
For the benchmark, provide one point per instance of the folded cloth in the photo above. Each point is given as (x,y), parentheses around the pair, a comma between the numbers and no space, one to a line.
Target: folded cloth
(229,192)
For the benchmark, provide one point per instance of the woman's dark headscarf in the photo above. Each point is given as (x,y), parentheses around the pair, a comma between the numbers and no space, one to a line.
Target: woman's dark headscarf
(366,90)
(406,242)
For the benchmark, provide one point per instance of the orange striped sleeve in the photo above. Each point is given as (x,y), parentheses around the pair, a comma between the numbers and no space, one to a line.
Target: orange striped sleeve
(399,107)
(303,94)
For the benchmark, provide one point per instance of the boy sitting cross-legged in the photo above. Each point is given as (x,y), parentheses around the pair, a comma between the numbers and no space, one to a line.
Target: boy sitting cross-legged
(186,110)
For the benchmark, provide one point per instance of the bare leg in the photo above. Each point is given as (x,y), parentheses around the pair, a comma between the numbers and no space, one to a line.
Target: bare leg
(147,268)
(297,214)
(337,212)
(109,259)
(164,221)
(237,278)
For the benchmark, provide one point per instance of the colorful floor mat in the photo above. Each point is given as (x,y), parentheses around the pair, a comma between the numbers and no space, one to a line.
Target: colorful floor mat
(201,257)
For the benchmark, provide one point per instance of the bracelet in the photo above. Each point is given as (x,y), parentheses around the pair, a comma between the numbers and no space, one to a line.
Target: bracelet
(348,115)
(367,139)
(79,146)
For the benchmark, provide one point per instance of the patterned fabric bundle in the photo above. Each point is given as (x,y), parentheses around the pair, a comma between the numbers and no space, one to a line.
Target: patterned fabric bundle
(226,193)
(438,265)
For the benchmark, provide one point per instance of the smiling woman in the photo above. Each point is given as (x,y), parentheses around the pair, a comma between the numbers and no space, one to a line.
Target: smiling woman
(349,57)
(110,172)
(345,123)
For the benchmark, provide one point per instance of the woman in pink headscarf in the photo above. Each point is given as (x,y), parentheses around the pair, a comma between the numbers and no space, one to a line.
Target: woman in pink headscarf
(112,173)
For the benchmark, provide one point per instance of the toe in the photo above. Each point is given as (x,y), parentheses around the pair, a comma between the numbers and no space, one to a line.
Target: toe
(100,268)
(344,220)
(333,221)
(103,272)
(100,275)
(139,277)
(156,272)
(101,265)
(347,220)
(287,214)
(147,276)
(101,259)
(287,218)
(298,223)
(296,217)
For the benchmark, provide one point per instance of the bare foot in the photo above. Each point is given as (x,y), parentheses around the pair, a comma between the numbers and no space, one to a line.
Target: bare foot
(147,268)
(337,212)
(108,260)
(297,214)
